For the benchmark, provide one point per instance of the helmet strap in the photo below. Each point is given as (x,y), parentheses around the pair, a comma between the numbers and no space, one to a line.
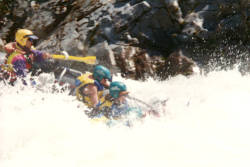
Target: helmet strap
(24,48)
(27,52)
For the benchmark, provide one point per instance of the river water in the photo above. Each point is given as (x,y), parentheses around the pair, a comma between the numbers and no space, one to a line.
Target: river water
(204,123)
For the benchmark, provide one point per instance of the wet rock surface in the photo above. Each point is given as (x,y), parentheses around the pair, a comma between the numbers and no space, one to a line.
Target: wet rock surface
(139,38)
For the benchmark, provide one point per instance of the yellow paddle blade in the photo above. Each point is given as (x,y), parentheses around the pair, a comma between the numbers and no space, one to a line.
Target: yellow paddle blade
(87,59)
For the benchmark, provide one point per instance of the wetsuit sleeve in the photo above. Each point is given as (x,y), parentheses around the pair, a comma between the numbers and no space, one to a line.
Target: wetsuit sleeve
(38,56)
(19,65)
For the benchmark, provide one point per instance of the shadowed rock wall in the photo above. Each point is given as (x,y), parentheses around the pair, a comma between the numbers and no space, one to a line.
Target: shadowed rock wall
(159,38)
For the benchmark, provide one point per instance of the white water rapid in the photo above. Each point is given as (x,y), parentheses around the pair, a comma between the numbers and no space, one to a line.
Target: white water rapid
(206,124)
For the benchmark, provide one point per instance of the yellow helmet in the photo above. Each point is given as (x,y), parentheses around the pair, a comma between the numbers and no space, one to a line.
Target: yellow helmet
(22,35)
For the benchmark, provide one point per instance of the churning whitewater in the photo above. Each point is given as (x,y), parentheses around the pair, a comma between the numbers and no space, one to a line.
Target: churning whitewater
(205,123)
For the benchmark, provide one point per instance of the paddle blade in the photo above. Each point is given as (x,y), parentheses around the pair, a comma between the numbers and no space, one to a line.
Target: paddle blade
(87,59)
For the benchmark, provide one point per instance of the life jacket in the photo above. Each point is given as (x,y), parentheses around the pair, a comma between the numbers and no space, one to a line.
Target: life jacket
(112,109)
(9,58)
(107,103)
(85,80)
(7,71)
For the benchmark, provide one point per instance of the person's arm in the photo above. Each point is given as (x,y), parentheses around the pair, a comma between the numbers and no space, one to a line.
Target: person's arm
(9,47)
(93,94)
(40,56)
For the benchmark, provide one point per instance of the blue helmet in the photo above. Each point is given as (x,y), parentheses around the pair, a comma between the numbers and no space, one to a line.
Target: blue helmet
(116,88)
(101,72)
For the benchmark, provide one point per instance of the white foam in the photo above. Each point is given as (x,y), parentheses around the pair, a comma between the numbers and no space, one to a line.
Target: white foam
(206,124)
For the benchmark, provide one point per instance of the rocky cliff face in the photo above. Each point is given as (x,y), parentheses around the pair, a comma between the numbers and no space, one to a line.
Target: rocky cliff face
(139,38)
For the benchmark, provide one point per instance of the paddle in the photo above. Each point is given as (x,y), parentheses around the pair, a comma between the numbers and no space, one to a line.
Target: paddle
(151,111)
(87,59)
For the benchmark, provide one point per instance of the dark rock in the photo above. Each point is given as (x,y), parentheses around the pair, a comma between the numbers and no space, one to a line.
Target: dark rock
(138,38)
(177,64)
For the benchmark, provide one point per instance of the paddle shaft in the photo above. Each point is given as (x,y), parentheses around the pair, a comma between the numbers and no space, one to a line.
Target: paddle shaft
(87,59)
